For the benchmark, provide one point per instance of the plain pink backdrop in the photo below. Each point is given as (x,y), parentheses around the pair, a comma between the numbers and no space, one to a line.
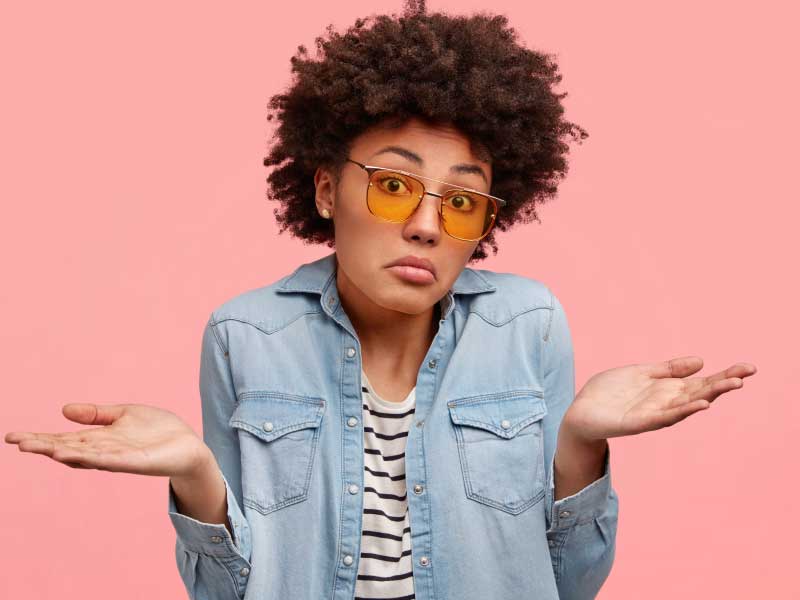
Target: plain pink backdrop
(134,202)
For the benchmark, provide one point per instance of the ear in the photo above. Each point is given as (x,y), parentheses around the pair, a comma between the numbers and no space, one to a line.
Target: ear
(325,190)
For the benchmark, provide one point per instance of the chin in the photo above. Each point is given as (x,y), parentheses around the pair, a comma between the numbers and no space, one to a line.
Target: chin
(408,301)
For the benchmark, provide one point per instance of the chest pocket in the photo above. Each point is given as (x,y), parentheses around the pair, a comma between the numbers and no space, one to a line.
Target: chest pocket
(278,436)
(499,439)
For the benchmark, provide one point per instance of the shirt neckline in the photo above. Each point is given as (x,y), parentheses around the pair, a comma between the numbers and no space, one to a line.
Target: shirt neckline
(394,407)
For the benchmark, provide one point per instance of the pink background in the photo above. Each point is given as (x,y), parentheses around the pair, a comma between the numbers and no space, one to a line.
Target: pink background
(134,202)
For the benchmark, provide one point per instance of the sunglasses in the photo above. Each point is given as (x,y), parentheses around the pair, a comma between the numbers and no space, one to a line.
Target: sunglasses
(394,195)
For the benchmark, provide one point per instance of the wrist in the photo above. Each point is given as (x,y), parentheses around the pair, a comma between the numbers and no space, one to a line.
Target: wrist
(205,466)
(571,436)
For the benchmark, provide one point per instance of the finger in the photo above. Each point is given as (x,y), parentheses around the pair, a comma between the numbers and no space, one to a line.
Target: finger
(676,367)
(86,458)
(673,415)
(44,444)
(712,391)
(37,446)
(737,371)
(15,437)
(93,414)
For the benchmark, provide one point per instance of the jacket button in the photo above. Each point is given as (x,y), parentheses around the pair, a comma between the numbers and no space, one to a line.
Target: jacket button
(432,363)
(418,489)
(216,539)
(505,424)
(331,300)
(424,561)
(244,572)
(267,426)
(348,560)
(564,513)
(551,542)
(352,421)
(352,488)
(351,352)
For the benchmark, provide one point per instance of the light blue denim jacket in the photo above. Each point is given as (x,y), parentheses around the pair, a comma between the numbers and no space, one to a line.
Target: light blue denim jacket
(280,387)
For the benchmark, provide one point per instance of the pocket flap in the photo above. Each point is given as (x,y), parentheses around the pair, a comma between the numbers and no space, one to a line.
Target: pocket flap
(503,414)
(270,415)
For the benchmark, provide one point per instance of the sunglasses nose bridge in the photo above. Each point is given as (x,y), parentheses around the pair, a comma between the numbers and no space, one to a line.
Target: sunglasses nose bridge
(435,196)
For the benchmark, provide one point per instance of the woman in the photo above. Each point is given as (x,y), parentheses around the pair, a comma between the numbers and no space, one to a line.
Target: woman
(386,422)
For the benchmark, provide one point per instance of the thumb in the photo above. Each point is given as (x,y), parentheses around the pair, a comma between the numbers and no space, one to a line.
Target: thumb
(93,414)
(676,367)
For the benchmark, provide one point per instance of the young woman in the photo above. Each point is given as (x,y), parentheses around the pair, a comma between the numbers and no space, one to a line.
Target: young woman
(387,422)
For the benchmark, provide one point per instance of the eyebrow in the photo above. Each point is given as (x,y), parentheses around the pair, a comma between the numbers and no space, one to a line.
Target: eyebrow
(416,158)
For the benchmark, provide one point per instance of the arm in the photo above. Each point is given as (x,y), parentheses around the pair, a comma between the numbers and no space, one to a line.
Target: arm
(581,526)
(213,557)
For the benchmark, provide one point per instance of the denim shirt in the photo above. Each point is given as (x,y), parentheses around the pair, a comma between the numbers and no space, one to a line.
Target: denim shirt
(280,388)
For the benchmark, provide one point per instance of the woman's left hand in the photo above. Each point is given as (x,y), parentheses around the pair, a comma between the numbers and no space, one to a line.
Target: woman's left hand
(643,397)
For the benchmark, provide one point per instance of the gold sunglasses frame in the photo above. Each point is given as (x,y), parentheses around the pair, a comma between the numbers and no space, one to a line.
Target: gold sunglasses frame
(371,169)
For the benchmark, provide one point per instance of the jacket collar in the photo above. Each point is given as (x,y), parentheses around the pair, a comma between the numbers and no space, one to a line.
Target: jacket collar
(315,277)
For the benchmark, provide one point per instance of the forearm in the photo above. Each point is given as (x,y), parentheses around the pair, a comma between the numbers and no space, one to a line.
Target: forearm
(577,462)
(203,496)
(583,525)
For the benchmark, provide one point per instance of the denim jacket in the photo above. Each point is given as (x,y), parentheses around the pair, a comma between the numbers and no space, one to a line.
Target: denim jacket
(280,388)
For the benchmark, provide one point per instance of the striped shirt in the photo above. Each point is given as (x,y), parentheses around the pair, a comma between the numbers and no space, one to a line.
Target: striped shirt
(384,568)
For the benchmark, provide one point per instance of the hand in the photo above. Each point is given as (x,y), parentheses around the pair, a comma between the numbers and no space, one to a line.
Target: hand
(643,397)
(132,438)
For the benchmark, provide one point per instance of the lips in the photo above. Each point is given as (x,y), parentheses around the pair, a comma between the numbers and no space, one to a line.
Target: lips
(414,261)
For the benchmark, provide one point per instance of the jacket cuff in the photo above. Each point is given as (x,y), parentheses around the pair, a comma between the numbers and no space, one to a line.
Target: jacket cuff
(582,506)
(212,539)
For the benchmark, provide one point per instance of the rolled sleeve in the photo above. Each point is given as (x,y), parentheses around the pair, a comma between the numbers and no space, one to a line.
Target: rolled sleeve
(212,539)
(581,528)
(584,505)
(213,564)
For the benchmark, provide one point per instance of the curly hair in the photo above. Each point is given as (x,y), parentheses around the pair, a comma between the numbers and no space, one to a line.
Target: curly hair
(465,71)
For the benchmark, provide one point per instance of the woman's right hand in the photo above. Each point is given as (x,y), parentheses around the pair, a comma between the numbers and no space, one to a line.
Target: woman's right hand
(132,438)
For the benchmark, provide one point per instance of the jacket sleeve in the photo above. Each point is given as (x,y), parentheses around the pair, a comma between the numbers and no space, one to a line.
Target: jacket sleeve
(213,564)
(581,528)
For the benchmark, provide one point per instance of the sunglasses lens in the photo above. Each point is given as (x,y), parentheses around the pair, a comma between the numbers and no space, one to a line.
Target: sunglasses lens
(467,215)
(393,196)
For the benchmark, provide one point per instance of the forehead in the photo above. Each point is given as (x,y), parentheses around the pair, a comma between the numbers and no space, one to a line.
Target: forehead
(425,138)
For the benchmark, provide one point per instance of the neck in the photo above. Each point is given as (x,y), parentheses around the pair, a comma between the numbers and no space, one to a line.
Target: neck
(396,340)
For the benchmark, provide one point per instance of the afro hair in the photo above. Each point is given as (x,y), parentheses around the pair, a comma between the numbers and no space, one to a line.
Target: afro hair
(466,71)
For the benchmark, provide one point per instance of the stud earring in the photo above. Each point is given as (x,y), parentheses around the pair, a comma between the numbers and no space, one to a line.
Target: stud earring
(326,213)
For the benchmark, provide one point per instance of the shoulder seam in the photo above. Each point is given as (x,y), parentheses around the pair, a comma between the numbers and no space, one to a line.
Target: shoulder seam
(212,323)
(255,325)
(550,316)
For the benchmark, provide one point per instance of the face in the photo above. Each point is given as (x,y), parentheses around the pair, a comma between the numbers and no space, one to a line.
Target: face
(365,244)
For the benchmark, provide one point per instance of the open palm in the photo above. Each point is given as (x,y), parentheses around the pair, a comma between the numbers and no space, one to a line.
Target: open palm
(131,438)
(643,397)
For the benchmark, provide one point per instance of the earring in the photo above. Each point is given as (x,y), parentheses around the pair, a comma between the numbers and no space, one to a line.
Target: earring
(326,213)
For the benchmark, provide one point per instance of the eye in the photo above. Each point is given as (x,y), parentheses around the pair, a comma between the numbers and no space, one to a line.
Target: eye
(462,202)
(393,184)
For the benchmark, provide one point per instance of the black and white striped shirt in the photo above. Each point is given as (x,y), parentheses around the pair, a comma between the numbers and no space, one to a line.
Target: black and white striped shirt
(384,568)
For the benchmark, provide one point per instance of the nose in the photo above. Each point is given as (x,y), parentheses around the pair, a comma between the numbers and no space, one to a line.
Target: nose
(424,224)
